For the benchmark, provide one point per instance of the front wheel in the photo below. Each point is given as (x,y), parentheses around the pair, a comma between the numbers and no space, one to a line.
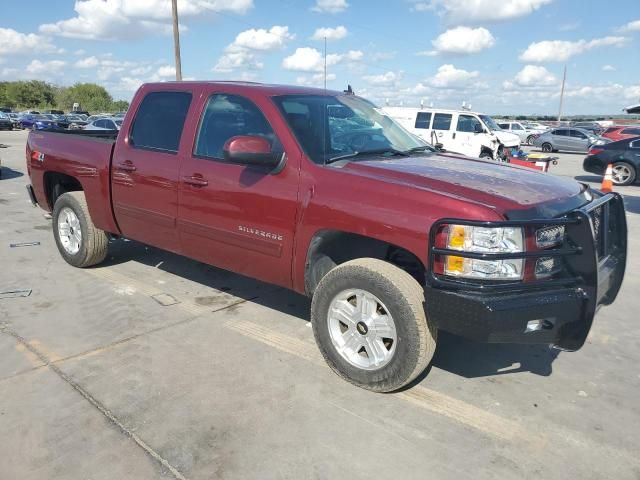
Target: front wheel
(530,139)
(370,325)
(80,243)
(623,173)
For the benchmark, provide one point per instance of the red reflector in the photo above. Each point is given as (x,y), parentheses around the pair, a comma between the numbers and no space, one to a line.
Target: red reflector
(595,151)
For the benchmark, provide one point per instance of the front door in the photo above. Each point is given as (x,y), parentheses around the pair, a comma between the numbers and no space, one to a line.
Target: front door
(578,141)
(233,216)
(468,129)
(144,174)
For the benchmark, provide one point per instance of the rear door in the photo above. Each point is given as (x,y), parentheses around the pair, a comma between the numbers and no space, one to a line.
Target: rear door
(560,138)
(442,131)
(145,169)
(234,216)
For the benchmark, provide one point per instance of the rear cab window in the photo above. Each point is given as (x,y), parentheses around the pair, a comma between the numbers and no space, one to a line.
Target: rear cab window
(159,121)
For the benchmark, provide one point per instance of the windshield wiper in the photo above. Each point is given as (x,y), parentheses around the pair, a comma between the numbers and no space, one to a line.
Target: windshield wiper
(381,151)
(422,148)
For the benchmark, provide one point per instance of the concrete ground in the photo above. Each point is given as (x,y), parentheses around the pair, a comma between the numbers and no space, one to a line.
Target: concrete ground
(100,380)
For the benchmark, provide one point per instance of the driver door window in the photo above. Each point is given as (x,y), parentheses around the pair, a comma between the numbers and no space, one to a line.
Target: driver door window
(227,116)
(468,123)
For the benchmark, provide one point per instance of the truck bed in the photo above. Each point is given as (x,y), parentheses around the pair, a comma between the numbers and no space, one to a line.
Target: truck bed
(83,155)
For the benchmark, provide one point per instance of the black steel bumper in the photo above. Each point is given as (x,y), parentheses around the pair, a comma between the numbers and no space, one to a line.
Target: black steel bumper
(594,257)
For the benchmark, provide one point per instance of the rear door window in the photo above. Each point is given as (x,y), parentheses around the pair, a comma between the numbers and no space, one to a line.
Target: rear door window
(561,132)
(228,116)
(423,119)
(504,126)
(442,121)
(159,121)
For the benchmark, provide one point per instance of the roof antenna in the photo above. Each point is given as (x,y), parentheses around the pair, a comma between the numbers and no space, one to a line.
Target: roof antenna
(349,90)
(421,103)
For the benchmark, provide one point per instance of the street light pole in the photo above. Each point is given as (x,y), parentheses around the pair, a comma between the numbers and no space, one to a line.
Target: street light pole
(176,39)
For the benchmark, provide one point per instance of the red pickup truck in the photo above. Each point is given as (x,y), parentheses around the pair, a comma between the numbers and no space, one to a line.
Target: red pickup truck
(321,192)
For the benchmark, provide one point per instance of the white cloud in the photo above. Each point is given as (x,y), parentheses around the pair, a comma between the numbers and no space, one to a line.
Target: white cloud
(384,79)
(633,26)
(240,55)
(111,19)
(562,50)
(330,33)
(236,60)
(608,68)
(456,12)
(306,59)
(315,80)
(261,39)
(88,62)
(37,67)
(330,6)
(463,41)
(166,71)
(449,76)
(16,43)
(535,75)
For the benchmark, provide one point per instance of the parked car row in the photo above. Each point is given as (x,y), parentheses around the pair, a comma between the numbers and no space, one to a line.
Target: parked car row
(58,120)
(568,139)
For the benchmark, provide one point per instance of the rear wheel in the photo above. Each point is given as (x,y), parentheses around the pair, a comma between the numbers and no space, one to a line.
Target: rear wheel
(80,243)
(623,173)
(370,325)
(547,147)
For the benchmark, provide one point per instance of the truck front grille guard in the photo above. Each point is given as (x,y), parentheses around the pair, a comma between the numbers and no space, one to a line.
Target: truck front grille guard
(594,235)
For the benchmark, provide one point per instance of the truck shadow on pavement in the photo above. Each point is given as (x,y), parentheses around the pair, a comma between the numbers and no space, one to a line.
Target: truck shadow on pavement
(9,173)
(454,354)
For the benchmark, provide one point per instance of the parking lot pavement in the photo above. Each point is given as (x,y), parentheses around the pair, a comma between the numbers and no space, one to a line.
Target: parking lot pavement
(156,366)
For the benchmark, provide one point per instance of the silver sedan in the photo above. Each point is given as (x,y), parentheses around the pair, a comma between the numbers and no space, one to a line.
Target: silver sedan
(568,139)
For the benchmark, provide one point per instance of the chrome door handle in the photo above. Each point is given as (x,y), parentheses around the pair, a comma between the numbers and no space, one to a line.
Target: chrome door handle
(195,181)
(126,166)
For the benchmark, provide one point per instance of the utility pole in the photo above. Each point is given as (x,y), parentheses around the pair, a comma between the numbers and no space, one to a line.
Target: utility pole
(325,63)
(176,39)
(564,79)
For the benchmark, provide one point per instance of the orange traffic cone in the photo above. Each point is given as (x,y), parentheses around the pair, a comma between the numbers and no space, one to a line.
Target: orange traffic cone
(607,181)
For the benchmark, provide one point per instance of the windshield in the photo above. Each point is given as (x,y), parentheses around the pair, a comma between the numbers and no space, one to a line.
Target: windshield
(328,127)
(488,121)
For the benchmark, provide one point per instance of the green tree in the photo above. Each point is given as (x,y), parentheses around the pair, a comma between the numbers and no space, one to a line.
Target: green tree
(120,106)
(90,96)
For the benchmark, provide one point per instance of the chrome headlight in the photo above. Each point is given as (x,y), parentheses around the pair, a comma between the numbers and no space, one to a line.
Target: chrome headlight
(474,239)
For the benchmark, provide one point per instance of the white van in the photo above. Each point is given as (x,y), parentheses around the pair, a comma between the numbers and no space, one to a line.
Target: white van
(460,131)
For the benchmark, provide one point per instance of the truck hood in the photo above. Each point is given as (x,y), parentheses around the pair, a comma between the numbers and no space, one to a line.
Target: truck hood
(507,139)
(499,186)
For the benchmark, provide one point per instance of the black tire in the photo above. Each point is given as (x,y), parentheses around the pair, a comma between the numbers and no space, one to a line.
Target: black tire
(530,139)
(486,155)
(94,244)
(404,297)
(547,147)
(632,174)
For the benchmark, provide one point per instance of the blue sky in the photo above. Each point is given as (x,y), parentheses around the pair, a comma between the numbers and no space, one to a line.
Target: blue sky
(502,56)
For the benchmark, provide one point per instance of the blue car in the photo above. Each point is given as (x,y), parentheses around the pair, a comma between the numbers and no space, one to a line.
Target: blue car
(40,122)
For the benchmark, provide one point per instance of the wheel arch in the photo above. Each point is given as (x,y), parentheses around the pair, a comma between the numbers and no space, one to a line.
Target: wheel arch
(56,183)
(329,248)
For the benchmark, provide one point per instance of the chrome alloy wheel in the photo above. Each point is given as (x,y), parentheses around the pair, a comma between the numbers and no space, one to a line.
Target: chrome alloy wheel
(621,174)
(362,329)
(69,231)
